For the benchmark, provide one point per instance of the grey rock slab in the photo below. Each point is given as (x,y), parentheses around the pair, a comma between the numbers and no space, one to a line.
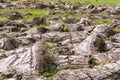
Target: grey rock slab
(107,72)
(116,38)
(87,45)
(103,29)
(56,36)
(29,63)
(8,43)
(70,75)
(33,31)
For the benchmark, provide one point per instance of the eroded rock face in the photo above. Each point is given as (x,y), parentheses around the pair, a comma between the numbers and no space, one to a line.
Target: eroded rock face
(27,63)
(99,73)
(91,44)
(103,29)
(8,44)
(72,41)
(116,38)
(114,10)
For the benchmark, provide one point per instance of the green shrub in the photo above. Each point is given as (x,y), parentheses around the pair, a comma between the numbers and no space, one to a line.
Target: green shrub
(49,68)
(65,29)
(93,62)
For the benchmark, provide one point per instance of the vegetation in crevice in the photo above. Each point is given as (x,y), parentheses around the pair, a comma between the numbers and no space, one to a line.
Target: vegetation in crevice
(49,68)
(93,62)
(100,45)
(117,78)
(116,30)
(65,29)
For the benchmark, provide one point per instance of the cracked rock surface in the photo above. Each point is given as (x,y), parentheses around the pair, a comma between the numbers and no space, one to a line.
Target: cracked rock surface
(70,41)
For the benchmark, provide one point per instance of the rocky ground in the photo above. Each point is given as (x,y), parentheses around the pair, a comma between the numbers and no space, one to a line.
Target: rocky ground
(59,41)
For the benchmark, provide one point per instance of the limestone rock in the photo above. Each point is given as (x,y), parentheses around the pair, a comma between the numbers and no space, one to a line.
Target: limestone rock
(29,64)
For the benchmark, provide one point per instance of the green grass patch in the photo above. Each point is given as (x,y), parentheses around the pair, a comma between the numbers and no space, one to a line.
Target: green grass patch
(33,12)
(68,14)
(97,22)
(3,15)
(91,1)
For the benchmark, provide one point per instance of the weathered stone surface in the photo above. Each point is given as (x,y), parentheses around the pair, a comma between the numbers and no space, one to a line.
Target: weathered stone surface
(85,21)
(39,20)
(29,63)
(99,73)
(8,44)
(114,10)
(90,45)
(103,29)
(116,38)
(97,9)
(72,41)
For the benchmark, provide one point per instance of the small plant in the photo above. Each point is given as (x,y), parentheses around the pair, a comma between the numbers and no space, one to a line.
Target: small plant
(49,68)
(110,38)
(116,30)
(48,45)
(70,68)
(49,74)
(93,62)
(16,29)
(65,29)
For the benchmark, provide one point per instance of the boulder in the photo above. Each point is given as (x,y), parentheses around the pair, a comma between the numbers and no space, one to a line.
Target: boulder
(39,20)
(116,38)
(92,44)
(15,15)
(103,29)
(8,44)
(28,63)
